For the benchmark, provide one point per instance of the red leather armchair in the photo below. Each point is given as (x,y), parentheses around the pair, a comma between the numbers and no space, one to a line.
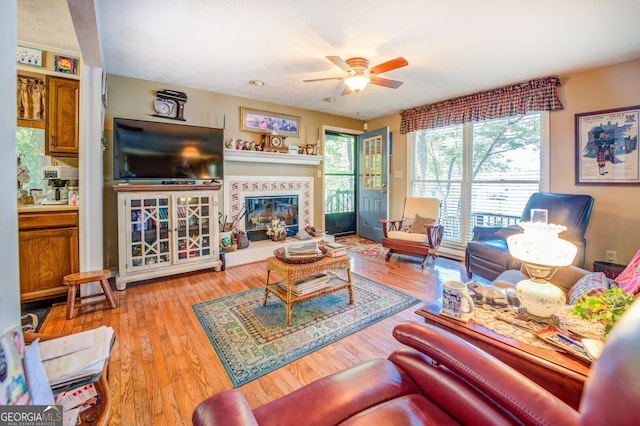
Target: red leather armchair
(441,379)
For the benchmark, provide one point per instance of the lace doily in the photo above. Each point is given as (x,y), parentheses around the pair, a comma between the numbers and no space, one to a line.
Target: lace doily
(510,324)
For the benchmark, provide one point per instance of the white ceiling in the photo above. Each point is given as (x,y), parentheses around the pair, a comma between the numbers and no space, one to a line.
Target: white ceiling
(454,47)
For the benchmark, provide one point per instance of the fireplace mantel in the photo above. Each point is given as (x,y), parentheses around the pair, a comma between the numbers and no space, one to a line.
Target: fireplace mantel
(271,157)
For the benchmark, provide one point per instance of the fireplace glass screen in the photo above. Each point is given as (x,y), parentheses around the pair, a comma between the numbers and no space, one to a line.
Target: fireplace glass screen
(263,209)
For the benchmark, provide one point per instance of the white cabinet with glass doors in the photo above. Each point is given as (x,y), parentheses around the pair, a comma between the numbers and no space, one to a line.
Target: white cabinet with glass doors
(166,232)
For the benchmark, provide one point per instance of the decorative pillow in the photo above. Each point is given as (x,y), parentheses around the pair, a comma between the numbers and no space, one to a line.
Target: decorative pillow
(629,279)
(407,223)
(419,222)
(505,233)
(589,285)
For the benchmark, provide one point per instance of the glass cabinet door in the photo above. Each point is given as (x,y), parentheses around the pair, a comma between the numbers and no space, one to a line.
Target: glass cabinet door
(193,226)
(149,221)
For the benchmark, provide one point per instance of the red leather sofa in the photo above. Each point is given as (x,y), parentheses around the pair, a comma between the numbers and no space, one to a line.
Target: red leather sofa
(440,379)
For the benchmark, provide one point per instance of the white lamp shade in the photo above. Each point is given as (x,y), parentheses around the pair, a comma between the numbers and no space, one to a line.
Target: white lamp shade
(357,82)
(540,244)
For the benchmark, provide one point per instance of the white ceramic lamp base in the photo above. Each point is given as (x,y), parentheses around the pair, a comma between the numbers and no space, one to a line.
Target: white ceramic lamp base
(541,299)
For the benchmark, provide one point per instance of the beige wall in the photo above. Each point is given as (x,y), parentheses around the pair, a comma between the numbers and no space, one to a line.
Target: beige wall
(615,222)
(133,98)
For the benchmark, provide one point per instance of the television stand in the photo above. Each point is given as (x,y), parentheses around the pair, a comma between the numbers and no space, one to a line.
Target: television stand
(165,230)
(178,182)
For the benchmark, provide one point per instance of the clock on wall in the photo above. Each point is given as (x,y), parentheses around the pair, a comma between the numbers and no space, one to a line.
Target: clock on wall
(164,107)
(170,104)
(273,143)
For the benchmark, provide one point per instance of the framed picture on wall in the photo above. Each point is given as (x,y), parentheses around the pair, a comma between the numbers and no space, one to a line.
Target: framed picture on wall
(65,64)
(253,120)
(29,56)
(607,147)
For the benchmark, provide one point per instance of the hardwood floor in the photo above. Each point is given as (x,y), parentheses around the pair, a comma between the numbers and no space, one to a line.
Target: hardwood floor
(162,365)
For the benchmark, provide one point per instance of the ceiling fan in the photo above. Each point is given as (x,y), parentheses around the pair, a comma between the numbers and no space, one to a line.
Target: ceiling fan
(360,74)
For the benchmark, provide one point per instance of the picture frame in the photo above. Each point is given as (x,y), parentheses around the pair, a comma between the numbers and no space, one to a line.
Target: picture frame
(65,64)
(606,144)
(28,56)
(258,121)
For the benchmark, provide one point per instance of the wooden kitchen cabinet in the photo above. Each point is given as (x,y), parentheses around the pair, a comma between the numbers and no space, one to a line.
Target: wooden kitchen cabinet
(48,250)
(62,131)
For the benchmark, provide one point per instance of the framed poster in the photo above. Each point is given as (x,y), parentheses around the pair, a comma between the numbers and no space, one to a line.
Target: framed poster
(253,120)
(65,64)
(607,147)
(29,56)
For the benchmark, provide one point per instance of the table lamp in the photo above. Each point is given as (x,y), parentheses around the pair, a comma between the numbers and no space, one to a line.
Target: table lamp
(542,252)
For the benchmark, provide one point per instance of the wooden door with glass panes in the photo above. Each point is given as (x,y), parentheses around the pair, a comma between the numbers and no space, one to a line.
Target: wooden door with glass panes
(149,233)
(373,177)
(194,227)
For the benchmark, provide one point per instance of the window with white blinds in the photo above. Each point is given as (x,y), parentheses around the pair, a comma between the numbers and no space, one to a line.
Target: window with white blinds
(484,172)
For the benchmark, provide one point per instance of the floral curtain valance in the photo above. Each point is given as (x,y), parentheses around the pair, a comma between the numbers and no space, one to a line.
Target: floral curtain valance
(518,99)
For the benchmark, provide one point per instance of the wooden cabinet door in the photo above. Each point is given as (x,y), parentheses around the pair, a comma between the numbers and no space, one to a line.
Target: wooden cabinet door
(62,120)
(46,256)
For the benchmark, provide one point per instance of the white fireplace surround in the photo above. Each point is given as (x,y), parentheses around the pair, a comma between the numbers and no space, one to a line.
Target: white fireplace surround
(237,188)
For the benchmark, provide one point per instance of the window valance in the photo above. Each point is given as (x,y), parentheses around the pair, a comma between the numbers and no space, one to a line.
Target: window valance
(517,99)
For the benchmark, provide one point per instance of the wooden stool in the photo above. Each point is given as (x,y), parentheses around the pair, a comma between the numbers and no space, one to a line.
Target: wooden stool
(79,278)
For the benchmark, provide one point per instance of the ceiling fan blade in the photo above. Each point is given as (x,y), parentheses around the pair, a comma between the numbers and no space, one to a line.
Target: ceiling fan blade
(394,84)
(339,62)
(323,79)
(389,65)
(346,91)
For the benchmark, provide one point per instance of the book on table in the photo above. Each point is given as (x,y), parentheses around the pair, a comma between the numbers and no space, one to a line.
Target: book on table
(308,284)
(336,253)
(336,249)
(302,250)
(335,246)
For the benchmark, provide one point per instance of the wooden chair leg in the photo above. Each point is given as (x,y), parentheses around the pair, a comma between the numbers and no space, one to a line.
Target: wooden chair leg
(106,289)
(388,256)
(71,300)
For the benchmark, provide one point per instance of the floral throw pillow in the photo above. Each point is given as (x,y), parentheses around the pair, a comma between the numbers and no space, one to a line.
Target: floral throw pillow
(407,223)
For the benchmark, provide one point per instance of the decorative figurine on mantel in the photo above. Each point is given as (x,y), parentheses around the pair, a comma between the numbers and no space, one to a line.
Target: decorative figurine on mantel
(167,102)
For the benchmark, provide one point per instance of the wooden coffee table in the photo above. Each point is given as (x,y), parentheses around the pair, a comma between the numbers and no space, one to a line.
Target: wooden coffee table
(560,374)
(291,272)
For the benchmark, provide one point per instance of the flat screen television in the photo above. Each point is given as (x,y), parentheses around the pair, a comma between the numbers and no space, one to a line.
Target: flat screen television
(154,150)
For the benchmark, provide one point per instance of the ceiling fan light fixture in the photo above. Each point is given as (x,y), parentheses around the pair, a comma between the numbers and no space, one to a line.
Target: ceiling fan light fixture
(357,82)
(256,83)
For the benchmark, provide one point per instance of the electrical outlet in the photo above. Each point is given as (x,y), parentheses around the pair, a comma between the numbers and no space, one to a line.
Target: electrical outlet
(611,255)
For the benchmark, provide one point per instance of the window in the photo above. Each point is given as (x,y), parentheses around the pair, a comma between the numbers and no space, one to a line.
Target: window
(484,172)
(30,144)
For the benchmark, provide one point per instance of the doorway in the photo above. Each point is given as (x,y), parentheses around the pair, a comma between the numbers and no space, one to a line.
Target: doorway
(340,161)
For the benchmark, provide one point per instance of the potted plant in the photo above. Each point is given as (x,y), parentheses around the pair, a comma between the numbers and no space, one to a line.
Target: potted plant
(606,307)
(277,230)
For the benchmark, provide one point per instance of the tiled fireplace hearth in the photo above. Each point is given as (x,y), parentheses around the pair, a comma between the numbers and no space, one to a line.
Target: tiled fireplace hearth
(237,189)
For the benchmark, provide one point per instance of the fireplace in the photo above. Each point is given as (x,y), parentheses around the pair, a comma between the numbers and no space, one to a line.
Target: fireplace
(287,197)
(262,209)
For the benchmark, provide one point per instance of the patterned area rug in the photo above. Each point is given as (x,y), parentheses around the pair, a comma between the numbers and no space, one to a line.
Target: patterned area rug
(32,320)
(252,340)
(362,245)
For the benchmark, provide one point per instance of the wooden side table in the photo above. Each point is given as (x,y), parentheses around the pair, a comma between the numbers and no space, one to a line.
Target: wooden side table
(560,374)
(291,272)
